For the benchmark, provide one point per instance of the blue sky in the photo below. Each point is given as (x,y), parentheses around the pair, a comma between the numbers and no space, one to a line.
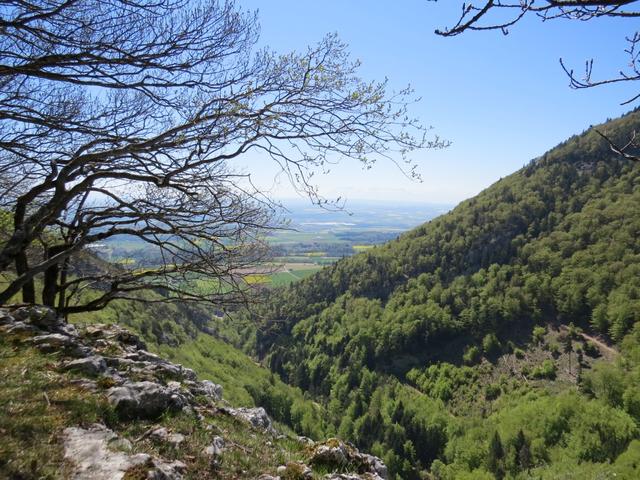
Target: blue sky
(501,100)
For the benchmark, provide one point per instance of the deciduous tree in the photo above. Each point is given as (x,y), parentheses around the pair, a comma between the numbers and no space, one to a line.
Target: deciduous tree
(124,117)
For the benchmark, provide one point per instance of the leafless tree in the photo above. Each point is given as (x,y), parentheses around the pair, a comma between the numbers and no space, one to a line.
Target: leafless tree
(124,117)
(503,14)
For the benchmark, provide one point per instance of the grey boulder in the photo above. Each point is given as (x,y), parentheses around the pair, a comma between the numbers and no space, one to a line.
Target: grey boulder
(163,435)
(206,388)
(338,455)
(257,417)
(39,316)
(93,455)
(53,341)
(91,366)
(216,448)
(144,400)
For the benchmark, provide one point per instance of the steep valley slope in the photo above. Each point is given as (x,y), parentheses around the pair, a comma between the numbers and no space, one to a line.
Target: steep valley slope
(91,403)
(501,340)
(484,344)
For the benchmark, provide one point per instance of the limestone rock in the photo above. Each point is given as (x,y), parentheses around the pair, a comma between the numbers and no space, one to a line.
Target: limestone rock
(53,341)
(295,471)
(205,388)
(39,316)
(144,356)
(213,389)
(374,465)
(163,435)
(216,448)
(92,366)
(119,363)
(67,329)
(332,453)
(155,365)
(257,417)
(117,334)
(5,318)
(339,456)
(20,329)
(93,455)
(144,399)
(305,440)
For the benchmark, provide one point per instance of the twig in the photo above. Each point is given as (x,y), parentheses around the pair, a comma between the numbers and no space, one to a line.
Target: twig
(145,435)
(234,444)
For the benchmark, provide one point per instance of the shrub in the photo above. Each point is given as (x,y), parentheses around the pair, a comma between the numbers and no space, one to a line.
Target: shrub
(547,370)
(472,355)
(538,334)
(491,345)
(591,350)
(631,401)
(492,391)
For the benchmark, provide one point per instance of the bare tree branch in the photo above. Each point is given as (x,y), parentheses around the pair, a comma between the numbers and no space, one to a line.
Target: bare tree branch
(125,117)
(501,15)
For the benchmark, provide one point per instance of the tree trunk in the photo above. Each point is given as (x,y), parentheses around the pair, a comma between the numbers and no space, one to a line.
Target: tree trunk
(28,289)
(50,289)
(62,291)
(20,255)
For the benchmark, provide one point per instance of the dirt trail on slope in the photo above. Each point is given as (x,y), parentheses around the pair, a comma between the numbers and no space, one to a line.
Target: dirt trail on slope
(596,341)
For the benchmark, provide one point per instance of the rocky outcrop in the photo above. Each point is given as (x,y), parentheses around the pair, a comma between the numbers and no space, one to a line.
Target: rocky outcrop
(337,455)
(373,465)
(114,363)
(143,385)
(295,471)
(111,361)
(144,400)
(343,460)
(115,334)
(206,388)
(256,417)
(91,366)
(97,453)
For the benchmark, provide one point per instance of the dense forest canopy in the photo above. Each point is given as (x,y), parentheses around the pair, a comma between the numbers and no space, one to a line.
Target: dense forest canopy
(555,243)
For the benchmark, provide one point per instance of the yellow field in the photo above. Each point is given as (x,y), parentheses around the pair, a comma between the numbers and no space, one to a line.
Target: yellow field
(256,278)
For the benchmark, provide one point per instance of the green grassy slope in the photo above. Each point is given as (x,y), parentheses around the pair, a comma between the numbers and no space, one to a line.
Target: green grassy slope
(199,338)
(40,398)
(176,332)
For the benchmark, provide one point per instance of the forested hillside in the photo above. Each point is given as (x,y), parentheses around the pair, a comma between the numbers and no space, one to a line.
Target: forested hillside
(444,350)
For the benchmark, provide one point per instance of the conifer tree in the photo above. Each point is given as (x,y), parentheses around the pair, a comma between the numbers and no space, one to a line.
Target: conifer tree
(495,457)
